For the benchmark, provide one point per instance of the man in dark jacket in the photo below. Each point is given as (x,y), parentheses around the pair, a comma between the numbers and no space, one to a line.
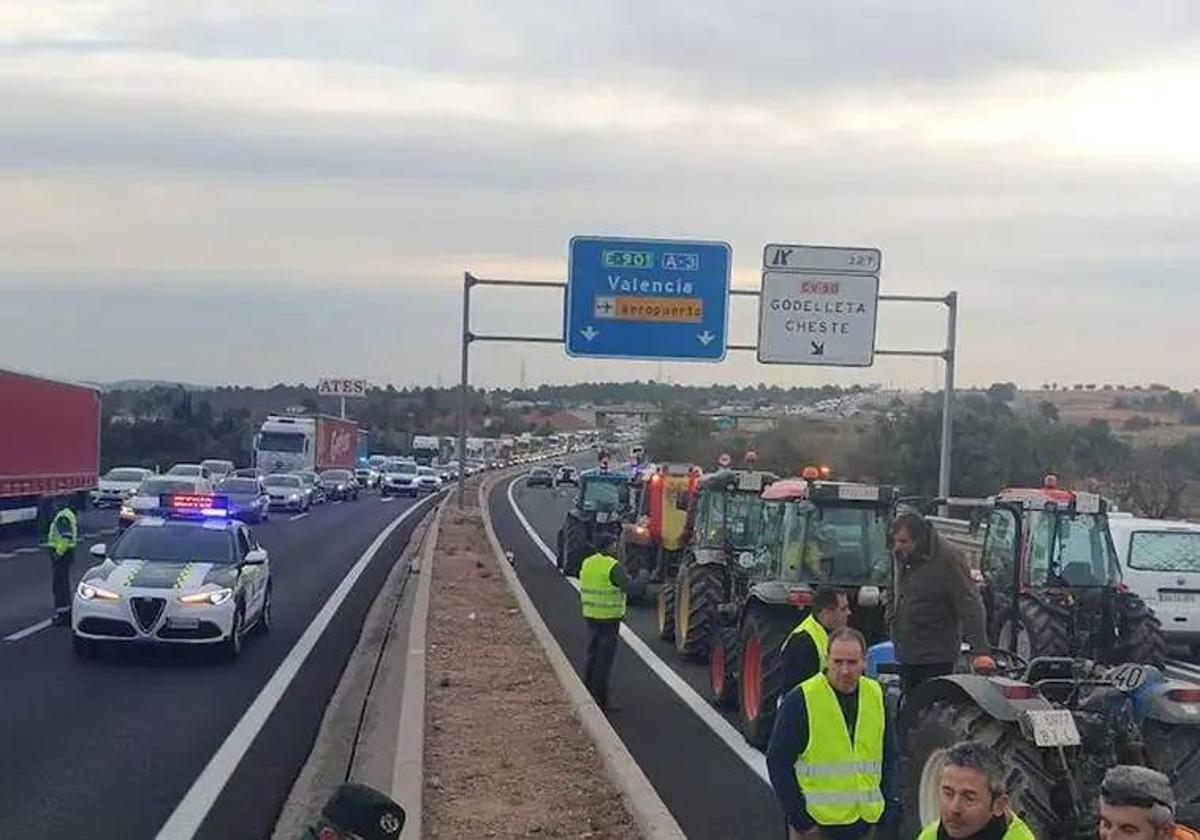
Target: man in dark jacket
(936,605)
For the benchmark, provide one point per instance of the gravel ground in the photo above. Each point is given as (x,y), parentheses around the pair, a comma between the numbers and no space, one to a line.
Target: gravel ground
(505,756)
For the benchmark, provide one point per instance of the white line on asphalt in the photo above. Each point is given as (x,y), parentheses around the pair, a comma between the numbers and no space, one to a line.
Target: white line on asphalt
(297,516)
(28,631)
(337,502)
(195,805)
(722,728)
(387,498)
(27,550)
(6,555)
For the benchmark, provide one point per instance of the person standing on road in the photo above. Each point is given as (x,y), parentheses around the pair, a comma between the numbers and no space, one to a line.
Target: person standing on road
(1137,803)
(973,799)
(937,605)
(603,584)
(806,648)
(61,540)
(832,756)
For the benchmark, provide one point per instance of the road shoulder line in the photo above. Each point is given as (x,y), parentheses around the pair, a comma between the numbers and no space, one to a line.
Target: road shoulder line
(645,805)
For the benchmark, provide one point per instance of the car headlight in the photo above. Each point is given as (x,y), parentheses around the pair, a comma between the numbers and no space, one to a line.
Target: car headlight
(214,597)
(126,510)
(341,488)
(295,497)
(88,592)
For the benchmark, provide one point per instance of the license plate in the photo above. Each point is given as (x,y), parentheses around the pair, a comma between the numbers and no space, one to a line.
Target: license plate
(184,623)
(1052,727)
(1178,597)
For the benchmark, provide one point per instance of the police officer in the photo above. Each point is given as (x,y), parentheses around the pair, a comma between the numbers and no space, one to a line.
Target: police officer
(831,753)
(806,648)
(61,541)
(1137,803)
(602,588)
(972,798)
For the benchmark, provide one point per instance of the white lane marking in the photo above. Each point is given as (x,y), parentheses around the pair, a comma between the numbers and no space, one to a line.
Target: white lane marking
(6,555)
(26,550)
(298,516)
(722,728)
(337,502)
(28,631)
(198,801)
(386,499)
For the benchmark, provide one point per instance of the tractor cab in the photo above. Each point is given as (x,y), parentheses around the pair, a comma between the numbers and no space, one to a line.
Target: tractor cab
(1051,580)
(601,505)
(651,543)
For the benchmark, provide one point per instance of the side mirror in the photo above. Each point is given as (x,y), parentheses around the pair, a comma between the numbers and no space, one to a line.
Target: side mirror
(255,557)
(99,550)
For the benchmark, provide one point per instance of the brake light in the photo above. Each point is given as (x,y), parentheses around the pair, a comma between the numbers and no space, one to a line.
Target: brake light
(810,473)
(800,597)
(1184,695)
(1018,691)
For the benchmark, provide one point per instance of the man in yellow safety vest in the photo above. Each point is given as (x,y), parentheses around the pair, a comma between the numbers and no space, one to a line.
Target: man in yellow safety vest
(805,650)
(972,798)
(831,753)
(602,587)
(61,540)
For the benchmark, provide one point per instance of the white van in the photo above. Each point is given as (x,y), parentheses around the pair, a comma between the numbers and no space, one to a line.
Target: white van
(1160,561)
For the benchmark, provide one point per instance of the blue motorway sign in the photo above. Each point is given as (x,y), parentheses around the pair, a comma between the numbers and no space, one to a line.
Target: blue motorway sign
(647,299)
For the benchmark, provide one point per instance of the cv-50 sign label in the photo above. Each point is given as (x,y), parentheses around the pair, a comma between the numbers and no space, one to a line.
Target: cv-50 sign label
(818,305)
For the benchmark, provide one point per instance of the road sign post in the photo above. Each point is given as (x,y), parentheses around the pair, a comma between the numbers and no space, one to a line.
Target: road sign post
(342,388)
(647,299)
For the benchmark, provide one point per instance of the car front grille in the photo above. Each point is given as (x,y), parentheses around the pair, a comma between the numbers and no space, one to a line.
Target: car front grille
(106,627)
(147,611)
(204,630)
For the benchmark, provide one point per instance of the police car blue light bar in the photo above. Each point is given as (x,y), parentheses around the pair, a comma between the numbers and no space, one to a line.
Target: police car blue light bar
(194,505)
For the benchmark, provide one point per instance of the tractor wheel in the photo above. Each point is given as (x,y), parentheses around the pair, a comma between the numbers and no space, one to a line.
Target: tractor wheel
(700,589)
(1175,750)
(760,671)
(1141,637)
(575,547)
(722,676)
(666,613)
(1044,630)
(1030,786)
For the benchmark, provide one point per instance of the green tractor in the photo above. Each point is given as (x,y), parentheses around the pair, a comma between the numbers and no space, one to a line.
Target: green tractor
(813,533)
(601,506)
(724,521)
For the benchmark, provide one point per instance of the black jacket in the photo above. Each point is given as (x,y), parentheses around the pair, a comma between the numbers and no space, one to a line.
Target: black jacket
(936,606)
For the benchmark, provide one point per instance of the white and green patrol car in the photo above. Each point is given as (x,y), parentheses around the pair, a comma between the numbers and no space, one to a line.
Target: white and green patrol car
(188,576)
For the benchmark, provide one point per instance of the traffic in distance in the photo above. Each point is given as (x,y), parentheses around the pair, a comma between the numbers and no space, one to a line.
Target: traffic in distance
(782,589)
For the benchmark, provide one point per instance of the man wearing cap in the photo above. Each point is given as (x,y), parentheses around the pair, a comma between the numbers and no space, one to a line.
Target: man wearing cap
(1137,803)
(973,800)
(603,584)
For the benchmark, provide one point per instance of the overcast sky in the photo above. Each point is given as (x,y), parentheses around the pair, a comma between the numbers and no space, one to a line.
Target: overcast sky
(251,192)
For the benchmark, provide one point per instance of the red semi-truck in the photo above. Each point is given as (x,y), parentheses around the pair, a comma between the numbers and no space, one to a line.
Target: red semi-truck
(49,445)
(292,443)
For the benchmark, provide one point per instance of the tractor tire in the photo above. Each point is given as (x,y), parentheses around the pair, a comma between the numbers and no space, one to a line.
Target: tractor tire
(575,548)
(666,613)
(1030,785)
(760,671)
(722,662)
(1140,637)
(699,590)
(1044,630)
(1175,750)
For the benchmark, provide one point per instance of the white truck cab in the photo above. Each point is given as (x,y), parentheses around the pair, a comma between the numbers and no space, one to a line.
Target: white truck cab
(286,444)
(1160,561)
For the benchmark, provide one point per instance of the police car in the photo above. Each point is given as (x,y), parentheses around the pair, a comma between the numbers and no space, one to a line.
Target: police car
(188,575)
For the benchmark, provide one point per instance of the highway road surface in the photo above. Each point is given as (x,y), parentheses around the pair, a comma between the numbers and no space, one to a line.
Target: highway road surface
(119,747)
(714,784)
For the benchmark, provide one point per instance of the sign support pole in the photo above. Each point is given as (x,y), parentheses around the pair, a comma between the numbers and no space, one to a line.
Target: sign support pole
(468,282)
(948,400)
(343,408)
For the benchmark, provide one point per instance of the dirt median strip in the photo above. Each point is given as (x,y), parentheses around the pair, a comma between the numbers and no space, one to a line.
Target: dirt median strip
(504,754)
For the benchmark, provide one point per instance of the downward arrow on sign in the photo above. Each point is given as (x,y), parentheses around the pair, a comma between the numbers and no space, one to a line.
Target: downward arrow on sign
(590,332)
(818,348)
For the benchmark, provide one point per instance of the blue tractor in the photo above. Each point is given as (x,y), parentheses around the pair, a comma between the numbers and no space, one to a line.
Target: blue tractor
(601,505)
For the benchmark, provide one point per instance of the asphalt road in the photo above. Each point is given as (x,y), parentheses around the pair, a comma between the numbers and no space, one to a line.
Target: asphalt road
(708,785)
(110,748)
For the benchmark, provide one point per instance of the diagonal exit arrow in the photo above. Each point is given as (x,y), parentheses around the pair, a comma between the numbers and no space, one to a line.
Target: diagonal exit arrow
(818,348)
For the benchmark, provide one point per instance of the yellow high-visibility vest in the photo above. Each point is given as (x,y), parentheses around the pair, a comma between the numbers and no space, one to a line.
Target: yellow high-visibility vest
(841,780)
(1017,830)
(599,598)
(820,637)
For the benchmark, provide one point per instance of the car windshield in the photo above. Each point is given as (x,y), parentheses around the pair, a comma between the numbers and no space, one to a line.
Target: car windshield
(425,471)
(158,486)
(281,442)
(733,519)
(124,475)
(602,496)
(1165,551)
(839,545)
(238,485)
(185,469)
(335,475)
(402,468)
(306,478)
(1071,550)
(175,542)
(281,481)
(217,466)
